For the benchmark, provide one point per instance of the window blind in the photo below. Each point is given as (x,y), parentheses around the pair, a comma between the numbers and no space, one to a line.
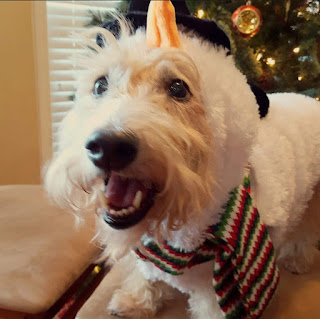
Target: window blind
(63,18)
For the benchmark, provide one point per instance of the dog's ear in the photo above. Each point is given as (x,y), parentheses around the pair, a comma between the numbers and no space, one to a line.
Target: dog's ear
(162,30)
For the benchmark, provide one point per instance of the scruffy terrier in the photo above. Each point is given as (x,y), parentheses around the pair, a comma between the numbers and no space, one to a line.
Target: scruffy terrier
(158,138)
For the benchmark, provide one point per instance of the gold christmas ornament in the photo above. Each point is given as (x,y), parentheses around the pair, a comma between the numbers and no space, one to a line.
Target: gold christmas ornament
(247,20)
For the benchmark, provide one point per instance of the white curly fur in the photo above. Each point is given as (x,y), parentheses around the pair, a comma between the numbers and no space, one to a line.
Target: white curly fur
(195,152)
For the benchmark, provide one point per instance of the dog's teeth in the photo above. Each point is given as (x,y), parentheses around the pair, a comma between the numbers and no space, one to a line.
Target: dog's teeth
(112,212)
(125,212)
(131,209)
(137,200)
(102,188)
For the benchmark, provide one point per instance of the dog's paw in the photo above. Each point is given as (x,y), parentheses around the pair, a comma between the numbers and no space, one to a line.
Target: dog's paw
(123,305)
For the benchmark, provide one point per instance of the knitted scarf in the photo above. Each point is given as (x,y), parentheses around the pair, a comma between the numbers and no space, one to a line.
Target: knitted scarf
(245,275)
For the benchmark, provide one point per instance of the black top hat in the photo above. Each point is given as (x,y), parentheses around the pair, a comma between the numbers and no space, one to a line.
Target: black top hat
(207,29)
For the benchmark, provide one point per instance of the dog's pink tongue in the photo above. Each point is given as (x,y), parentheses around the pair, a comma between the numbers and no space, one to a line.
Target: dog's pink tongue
(122,191)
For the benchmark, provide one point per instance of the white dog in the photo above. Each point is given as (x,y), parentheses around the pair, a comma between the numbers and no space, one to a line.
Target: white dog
(169,134)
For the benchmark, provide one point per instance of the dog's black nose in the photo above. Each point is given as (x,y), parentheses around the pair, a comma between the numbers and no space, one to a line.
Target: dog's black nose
(112,151)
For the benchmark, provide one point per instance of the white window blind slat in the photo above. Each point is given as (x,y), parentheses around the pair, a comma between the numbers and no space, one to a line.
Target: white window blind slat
(60,64)
(63,54)
(105,5)
(66,104)
(63,19)
(58,116)
(70,21)
(62,86)
(62,9)
(61,96)
(62,75)
(60,31)
(64,42)
(55,127)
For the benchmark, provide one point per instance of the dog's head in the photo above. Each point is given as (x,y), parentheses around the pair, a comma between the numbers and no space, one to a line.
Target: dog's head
(156,135)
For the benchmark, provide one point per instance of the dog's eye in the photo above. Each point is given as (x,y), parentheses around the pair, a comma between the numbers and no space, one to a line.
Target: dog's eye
(178,89)
(100,86)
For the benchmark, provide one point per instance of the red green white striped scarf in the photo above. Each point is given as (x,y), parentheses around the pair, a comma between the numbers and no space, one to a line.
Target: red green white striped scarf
(245,275)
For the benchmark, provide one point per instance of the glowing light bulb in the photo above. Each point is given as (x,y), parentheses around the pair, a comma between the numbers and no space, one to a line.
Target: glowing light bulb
(271,61)
(97,269)
(296,50)
(318,98)
(300,78)
(200,13)
(259,56)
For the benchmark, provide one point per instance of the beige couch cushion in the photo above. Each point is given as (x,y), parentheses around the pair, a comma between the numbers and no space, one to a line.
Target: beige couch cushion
(297,298)
(41,250)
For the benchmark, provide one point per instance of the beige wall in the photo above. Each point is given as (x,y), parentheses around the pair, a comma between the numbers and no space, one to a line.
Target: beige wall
(19,145)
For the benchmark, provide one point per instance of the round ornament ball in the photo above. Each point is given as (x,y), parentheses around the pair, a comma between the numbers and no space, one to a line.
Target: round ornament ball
(247,20)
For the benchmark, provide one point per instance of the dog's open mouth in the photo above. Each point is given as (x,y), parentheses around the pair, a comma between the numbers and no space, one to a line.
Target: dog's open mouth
(127,201)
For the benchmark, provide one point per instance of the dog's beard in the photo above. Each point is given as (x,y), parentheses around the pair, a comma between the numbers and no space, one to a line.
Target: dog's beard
(68,185)
(172,209)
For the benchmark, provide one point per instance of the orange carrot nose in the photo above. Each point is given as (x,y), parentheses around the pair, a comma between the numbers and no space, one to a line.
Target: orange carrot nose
(162,29)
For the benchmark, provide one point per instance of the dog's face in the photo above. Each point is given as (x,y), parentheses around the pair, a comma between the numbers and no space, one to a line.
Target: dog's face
(140,142)
(139,127)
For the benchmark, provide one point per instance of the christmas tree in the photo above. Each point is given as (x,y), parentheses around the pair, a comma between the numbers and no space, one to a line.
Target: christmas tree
(282,55)
(285,53)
